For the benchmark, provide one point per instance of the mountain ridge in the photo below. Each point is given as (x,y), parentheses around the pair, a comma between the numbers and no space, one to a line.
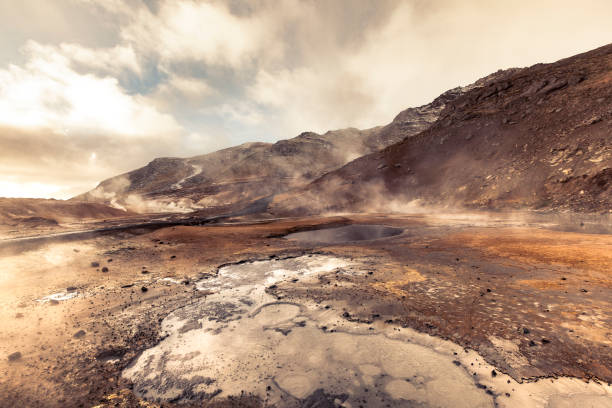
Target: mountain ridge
(537,138)
(231,178)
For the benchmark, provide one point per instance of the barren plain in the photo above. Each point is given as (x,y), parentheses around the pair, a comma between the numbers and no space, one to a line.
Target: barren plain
(491,309)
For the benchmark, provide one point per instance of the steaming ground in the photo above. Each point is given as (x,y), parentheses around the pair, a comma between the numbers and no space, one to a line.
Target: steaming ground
(286,351)
(455,309)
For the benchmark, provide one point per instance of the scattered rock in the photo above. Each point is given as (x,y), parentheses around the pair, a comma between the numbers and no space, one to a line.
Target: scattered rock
(14,356)
(79,334)
(144,289)
(95,264)
(104,269)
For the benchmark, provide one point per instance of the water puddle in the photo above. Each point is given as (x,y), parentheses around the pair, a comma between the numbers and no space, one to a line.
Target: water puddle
(348,233)
(298,353)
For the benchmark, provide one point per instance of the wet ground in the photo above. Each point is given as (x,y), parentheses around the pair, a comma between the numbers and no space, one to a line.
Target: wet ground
(347,233)
(452,310)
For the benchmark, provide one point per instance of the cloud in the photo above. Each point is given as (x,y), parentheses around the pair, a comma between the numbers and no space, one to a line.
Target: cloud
(313,99)
(103,60)
(181,91)
(62,131)
(131,80)
(199,31)
(49,93)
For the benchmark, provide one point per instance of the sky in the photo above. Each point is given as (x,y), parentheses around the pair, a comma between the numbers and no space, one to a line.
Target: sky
(93,88)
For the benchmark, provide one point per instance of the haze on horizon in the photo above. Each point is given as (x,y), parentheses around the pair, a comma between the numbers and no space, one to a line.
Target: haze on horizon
(90,89)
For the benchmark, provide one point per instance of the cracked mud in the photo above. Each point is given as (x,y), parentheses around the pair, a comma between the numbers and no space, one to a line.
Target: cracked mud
(242,340)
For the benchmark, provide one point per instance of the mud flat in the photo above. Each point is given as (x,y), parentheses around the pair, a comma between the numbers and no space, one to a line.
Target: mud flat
(295,352)
(213,315)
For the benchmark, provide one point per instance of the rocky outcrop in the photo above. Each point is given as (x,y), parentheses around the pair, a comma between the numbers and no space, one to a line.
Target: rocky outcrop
(538,138)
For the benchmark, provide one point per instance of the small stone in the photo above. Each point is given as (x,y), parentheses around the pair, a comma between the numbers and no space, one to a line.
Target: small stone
(493,373)
(105,269)
(79,334)
(144,289)
(95,264)
(14,356)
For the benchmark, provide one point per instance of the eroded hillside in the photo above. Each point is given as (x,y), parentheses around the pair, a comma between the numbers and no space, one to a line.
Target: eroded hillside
(537,138)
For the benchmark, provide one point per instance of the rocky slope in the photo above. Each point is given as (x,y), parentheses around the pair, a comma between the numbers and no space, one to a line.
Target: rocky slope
(230,178)
(538,138)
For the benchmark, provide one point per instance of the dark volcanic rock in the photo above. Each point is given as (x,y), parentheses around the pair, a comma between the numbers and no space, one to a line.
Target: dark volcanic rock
(14,356)
(79,334)
(538,138)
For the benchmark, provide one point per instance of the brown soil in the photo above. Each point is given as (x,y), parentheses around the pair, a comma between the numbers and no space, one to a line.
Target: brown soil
(549,292)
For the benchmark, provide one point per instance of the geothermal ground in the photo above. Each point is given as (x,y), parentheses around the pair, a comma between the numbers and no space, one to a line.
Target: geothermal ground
(446,310)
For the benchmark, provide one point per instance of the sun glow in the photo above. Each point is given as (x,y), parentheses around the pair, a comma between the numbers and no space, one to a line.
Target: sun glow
(32,190)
